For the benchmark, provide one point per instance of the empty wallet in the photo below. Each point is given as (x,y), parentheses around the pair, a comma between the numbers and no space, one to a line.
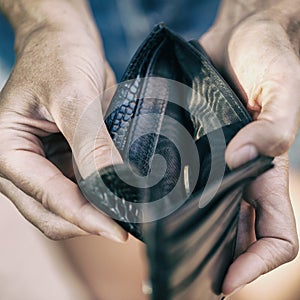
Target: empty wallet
(171,118)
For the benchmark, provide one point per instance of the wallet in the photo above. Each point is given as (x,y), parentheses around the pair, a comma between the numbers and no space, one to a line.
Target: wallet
(171,118)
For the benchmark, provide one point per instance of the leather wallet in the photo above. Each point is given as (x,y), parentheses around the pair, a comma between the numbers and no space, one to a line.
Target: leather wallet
(171,118)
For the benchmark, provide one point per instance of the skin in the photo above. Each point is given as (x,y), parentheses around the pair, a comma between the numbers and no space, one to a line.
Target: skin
(55,78)
(256,47)
(61,68)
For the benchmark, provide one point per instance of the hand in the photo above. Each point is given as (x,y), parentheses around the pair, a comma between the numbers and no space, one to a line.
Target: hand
(255,46)
(267,235)
(60,71)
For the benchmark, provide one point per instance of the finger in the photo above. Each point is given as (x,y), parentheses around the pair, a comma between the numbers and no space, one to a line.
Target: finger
(110,88)
(268,72)
(260,258)
(41,180)
(271,134)
(51,225)
(245,234)
(58,152)
(78,114)
(275,228)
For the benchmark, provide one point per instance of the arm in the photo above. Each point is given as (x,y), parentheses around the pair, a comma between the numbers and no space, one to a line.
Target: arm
(255,45)
(60,72)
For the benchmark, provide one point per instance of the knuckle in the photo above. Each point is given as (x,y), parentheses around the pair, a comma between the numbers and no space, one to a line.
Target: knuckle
(54,236)
(51,233)
(2,183)
(293,249)
(289,250)
(89,152)
(93,155)
(4,162)
(55,228)
(79,215)
(284,140)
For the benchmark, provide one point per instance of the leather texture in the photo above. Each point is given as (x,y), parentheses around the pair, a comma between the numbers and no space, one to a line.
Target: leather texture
(191,234)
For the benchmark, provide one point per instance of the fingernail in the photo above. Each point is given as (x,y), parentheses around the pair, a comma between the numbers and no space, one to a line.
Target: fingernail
(112,237)
(242,155)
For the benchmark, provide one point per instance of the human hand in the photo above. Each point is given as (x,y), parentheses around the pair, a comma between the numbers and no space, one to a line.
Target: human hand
(255,46)
(60,71)
(267,235)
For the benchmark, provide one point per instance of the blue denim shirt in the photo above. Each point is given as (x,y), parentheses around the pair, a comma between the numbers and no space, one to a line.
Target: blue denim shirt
(125,23)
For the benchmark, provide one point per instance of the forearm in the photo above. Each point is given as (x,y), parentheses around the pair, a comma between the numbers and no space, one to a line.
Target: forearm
(26,16)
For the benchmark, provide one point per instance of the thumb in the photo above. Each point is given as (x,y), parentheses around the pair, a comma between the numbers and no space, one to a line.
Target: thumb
(92,146)
(271,134)
(268,70)
(80,119)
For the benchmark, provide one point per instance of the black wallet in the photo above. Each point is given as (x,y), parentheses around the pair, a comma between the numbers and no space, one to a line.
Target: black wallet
(171,118)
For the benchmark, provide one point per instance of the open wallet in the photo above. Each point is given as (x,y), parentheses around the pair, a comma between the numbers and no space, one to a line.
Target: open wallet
(171,118)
